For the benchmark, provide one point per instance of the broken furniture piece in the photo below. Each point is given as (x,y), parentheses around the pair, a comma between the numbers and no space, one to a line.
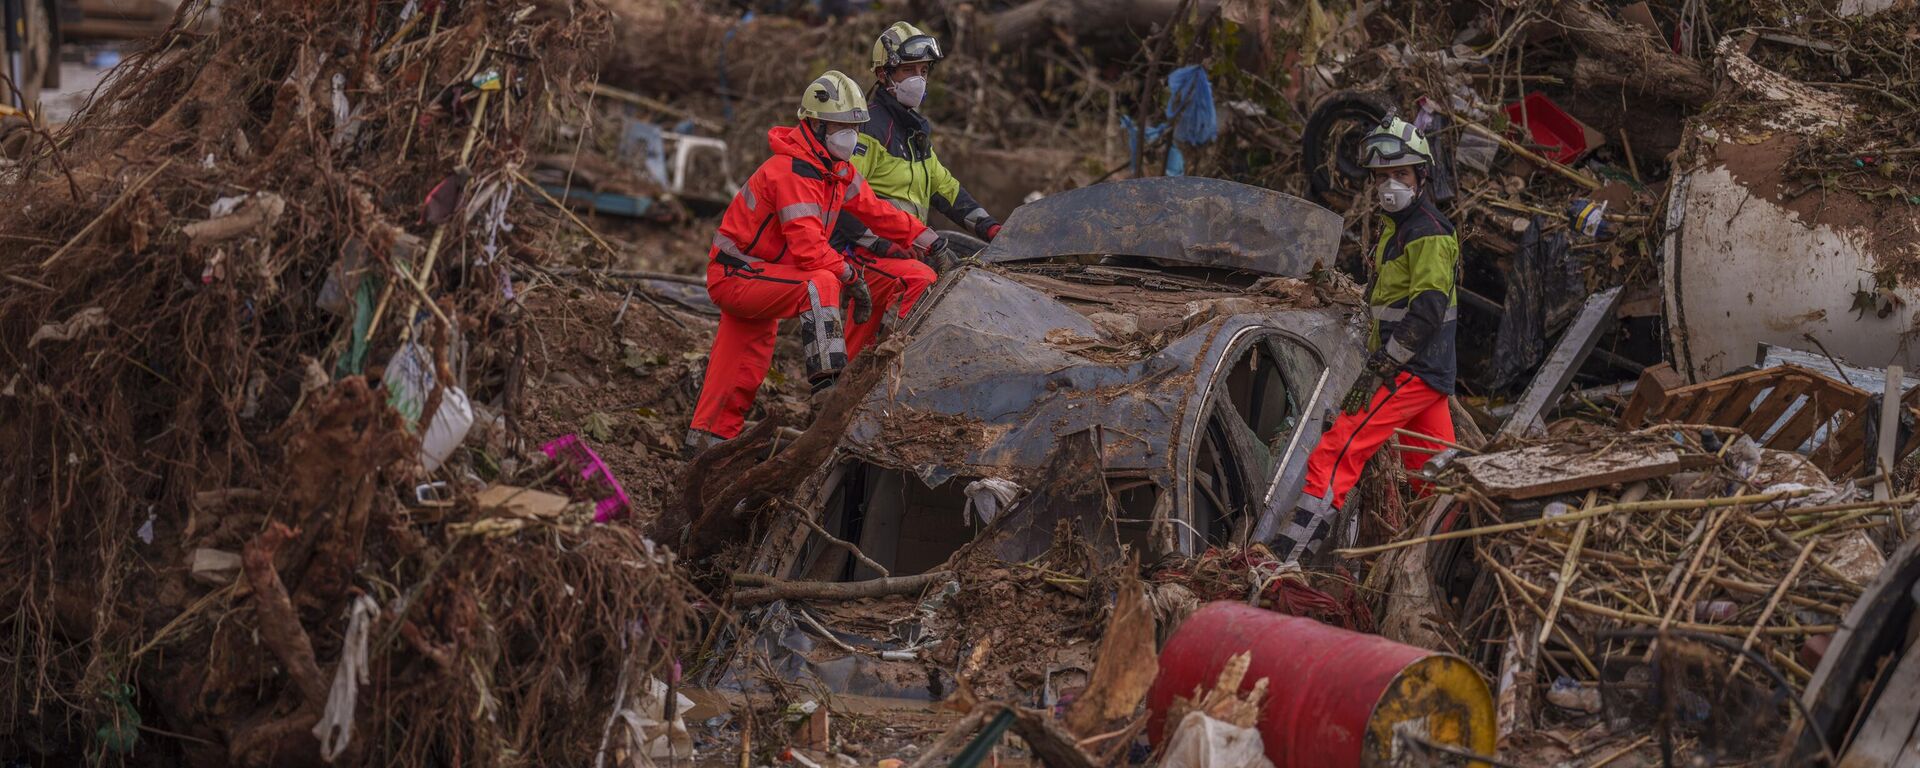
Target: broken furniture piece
(1786,407)
(1551,469)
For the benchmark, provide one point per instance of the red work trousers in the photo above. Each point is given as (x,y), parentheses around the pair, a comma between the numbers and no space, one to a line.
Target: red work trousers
(1336,462)
(887,279)
(752,304)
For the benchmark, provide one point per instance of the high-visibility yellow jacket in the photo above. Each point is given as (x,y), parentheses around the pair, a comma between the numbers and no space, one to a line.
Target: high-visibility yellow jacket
(1413,300)
(896,157)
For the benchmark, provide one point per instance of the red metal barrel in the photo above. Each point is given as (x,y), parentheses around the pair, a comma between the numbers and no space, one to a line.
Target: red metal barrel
(1334,697)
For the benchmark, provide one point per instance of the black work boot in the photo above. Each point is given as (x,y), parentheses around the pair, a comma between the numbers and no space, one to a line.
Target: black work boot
(825,349)
(698,440)
(1305,531)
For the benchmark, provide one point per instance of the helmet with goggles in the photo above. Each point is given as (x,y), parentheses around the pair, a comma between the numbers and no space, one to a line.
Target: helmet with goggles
(904,43)
(1395,143)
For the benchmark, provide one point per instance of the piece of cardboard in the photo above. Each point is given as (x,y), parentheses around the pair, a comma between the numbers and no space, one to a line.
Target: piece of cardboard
(521,502)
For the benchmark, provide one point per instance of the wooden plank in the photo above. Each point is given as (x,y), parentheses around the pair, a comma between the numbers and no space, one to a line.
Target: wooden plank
(1785,393)
(1813,412)
(1706,403)
(1889,434)
(1567,356)
(1766,374)
(1650,394)
(1890,722)
(1556,468)
(1735,409)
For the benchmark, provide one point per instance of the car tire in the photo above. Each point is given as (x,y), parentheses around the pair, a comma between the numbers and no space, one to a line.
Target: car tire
(1332,139)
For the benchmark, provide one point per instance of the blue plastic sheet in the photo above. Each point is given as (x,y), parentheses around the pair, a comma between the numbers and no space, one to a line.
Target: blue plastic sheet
(1191,108)
(1190,113)
(1176,162)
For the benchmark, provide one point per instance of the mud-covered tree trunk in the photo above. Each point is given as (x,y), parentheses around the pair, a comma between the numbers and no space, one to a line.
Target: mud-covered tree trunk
(1618,55)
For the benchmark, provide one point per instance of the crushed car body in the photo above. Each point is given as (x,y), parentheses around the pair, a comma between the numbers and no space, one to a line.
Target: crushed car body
(1159,337)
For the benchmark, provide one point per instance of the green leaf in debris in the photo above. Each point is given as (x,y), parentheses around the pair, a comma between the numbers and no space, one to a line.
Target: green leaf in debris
(598,426)
(641,361)
(636,360)
(647,414)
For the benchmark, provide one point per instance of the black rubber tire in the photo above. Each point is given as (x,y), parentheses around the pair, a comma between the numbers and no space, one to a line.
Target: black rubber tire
(1333,132)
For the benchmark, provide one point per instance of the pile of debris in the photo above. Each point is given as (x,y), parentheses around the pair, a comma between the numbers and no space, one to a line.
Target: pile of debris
(259,292)
(1681,581)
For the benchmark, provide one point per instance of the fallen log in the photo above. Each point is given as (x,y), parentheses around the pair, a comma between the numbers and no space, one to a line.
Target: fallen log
(723,514)
(775,589)
(706,466)
(1623,55)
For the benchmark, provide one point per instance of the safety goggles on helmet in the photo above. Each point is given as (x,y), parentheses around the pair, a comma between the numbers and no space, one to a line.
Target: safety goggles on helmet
(917,48)
(1384,150)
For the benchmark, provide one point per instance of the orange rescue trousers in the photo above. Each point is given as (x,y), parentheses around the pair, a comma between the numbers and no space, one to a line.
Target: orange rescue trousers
(1334,466)
(752,304)
(887,279)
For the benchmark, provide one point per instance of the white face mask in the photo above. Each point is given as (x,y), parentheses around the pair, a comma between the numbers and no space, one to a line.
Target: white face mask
(1395,196)
(840,143)
(911,91)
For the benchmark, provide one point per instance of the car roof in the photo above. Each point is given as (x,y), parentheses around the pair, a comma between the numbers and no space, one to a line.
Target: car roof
(1192,220)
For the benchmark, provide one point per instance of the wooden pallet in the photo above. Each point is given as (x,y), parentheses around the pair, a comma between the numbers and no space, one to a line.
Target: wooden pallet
(1737,401)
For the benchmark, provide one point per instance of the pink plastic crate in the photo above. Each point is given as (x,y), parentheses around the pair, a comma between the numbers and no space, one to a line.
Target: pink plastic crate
(591,474)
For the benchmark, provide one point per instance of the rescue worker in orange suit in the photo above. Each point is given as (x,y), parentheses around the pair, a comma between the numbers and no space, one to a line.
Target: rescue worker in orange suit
(896,157)
(1410,371)
(771,259)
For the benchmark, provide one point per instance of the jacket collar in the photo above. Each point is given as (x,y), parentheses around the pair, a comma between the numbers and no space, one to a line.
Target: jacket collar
(797,142)
(1422,206)
(883,98)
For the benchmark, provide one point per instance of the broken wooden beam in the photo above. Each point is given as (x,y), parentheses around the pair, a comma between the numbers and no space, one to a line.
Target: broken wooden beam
(1888,433)
(769,590)
(1623,55)
(1650,394)
(1556,468)
(1554,376)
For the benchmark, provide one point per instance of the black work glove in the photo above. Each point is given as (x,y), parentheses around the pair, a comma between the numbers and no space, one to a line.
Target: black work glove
(860,296)
(1361,394)
(1380,370)
(941,258)
(1382,366)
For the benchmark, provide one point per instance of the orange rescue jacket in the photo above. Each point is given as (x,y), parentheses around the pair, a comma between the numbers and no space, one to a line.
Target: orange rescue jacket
(787,209)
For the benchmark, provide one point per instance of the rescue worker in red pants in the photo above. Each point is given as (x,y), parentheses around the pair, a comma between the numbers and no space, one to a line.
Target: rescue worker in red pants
(771,259)
(1410,373)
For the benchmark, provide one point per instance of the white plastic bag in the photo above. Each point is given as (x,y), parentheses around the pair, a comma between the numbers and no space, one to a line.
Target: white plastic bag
(448,429)
(1203,742)
(987,497)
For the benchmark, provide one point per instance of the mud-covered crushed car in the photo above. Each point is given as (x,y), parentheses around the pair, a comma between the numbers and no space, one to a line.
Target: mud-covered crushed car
(1152,359)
